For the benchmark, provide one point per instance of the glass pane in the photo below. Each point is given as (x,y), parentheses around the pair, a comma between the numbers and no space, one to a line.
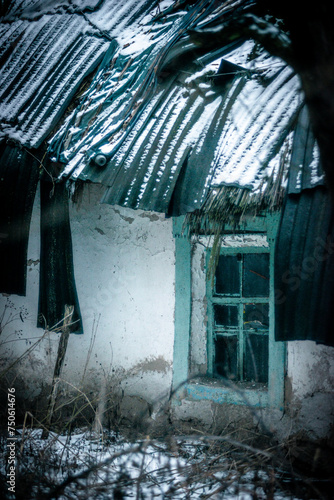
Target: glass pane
(256,358)
(255,282)
(228,275)
(226,357)
(226,315)
(256,317)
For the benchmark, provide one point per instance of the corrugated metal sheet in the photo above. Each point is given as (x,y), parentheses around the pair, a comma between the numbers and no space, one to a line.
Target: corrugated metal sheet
(57,283)
(19,174)
(304,270)
(122,88)
(305,169)
(42,65)
(19,177)
(32,9)
(216,133)
(115,17)
(197,131)
(47,50)
(165,129)
(148,165)
(164,132)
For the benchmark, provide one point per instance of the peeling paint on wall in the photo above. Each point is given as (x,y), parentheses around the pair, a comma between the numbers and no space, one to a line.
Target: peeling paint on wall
(127,219)
(124,266)
(151,364)
(310,401)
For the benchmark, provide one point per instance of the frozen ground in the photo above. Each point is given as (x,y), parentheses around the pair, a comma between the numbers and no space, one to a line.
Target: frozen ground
(84,466)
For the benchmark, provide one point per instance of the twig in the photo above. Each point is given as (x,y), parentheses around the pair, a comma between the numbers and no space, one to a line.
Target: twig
(85,473)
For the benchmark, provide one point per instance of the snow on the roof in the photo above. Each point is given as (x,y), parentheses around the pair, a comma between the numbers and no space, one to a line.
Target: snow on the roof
(250,56)
(113,92)
(31,9)
(237,134)
(256,122)
(209,69)
(44,63)
(316,177)
(146,129)
(48,48)
(117,17)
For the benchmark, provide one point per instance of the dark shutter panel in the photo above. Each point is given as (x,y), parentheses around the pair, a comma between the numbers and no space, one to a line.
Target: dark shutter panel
(304,268)
(19,172)
(57,284)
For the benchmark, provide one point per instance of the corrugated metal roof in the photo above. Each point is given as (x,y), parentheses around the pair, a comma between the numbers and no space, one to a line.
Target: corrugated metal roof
(43,63)
(200,131)
(157,126)
(47,50)
(228,136)
(226,132)
(115,17)
(122,87)
(32,9)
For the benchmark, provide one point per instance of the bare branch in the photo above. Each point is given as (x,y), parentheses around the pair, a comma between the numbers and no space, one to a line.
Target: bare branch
(273,39)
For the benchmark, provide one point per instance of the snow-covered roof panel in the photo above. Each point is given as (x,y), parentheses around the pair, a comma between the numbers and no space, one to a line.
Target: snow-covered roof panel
(32,9)
(256,126)
(47,49)
(193,131)
(43,63)
(117,17)
(121,88)
(161,121)
(305,167)
(150,161)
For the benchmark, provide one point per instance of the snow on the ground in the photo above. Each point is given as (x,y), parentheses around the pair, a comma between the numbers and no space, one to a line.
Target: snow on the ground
(112,467)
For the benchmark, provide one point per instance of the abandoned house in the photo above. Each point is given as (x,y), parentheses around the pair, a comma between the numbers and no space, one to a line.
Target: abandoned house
(174,196)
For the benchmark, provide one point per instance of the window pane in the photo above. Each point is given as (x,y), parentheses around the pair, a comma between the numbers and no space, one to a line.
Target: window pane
(256,317)
(226,315)
(228,275)
(226,357)
(256,275)
(256,358)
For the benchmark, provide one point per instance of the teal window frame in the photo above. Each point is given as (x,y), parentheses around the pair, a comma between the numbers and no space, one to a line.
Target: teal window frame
(238,301)
(207,388)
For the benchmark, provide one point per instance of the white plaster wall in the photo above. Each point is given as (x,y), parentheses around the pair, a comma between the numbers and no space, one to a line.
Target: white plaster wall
(198,343)
(124,267)
(310,371)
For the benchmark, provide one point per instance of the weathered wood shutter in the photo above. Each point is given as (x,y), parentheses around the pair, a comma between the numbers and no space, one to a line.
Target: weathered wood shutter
(19,173)
(57,284)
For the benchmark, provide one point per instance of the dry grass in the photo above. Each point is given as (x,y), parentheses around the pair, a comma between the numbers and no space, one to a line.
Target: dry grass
(84,464)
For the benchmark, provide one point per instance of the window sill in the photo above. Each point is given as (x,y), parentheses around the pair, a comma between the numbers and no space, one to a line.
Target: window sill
(247,394)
